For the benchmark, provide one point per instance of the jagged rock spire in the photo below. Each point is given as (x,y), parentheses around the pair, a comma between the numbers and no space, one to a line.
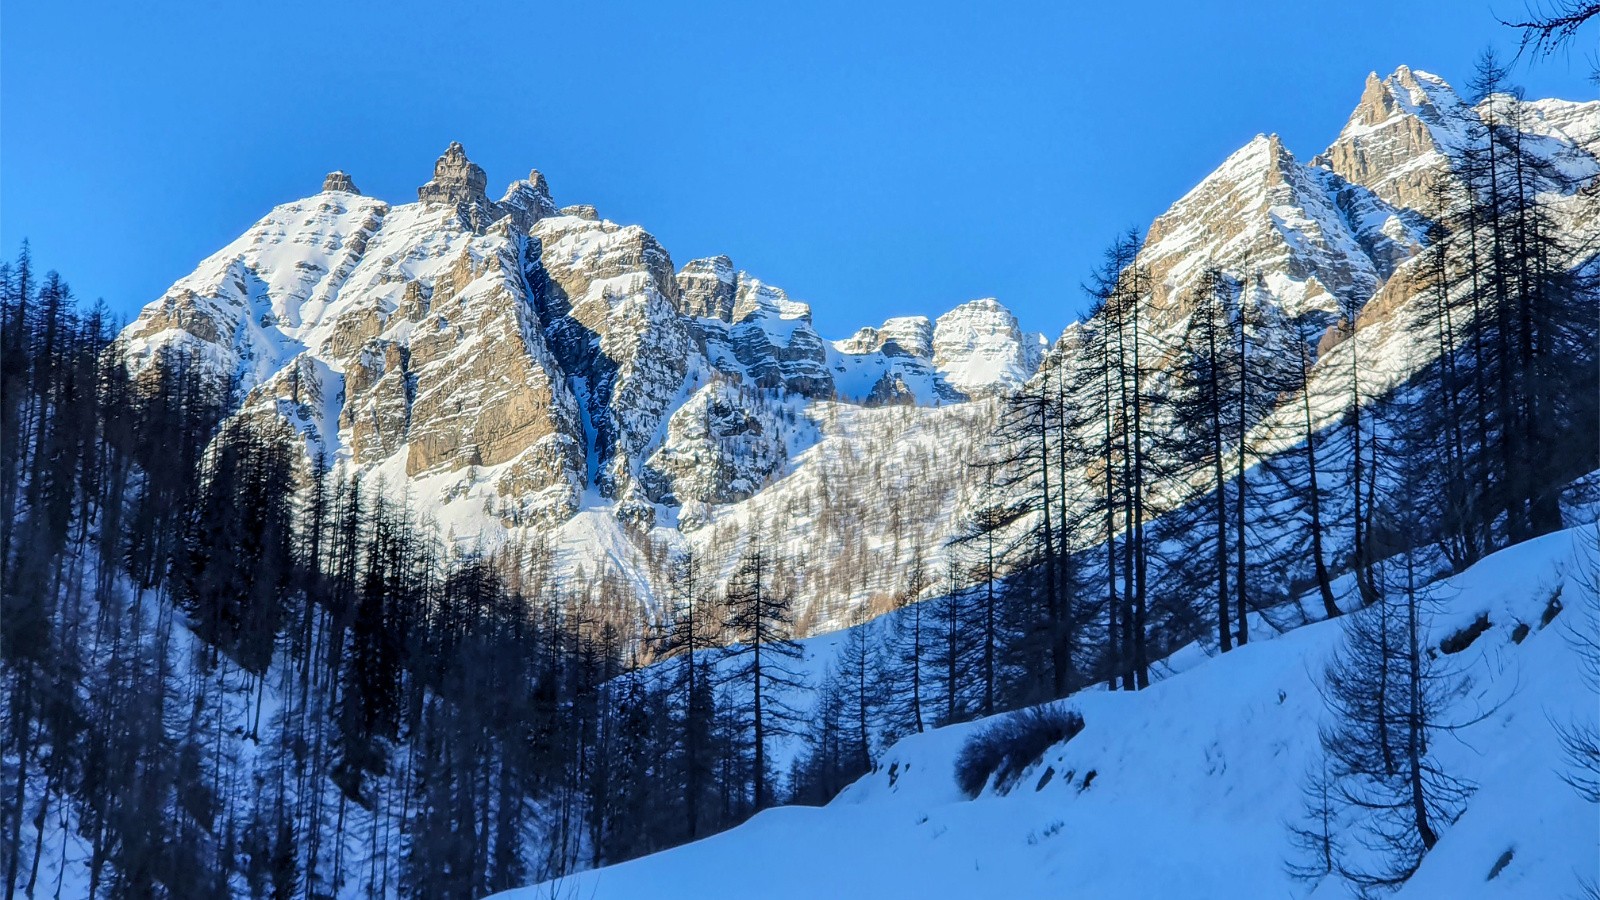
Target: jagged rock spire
(339,181)
(1402,133)
(527,201)
(456,179)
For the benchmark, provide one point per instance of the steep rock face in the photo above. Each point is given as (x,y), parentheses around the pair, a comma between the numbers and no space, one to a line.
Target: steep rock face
(456,179)
(891,390)
(485,390)
(1412,126)
(446,369)
(527,201)
(381,389)
(339,181)
(774,342)
(460,183)
(752,330)
(707,287)
(608,296)
(1406,129)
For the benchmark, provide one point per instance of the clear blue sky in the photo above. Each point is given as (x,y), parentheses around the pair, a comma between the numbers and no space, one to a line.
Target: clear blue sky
(872,161)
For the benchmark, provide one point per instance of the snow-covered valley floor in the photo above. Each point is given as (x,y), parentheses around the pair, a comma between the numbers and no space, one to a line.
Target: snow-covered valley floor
(1185,790)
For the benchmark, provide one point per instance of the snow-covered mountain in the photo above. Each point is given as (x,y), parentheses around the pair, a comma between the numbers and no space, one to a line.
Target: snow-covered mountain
(218,699)
(974,350)
(519,370)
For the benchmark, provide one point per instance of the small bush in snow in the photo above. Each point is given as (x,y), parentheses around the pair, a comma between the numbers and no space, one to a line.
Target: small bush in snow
(1015,741)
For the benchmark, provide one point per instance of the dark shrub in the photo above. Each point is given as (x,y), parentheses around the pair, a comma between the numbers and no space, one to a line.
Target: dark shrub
(1463,639)
(1012,743)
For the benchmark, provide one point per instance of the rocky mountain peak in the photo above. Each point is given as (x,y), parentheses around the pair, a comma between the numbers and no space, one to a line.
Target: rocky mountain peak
(986,316)
(528,200)
(1404,91)
(981,348)
(707,288)
(1279,160)
(1377,103)
(1264,157)
(537,182)
(1401,132)
(456,179)
(339,181)
(1423,88)
(1261,164)
(1263,210)
(752,330)
(865,340)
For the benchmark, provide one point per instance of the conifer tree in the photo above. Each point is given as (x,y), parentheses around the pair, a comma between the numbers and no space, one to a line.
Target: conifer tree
(1385,693)
(908,647)
(760,662)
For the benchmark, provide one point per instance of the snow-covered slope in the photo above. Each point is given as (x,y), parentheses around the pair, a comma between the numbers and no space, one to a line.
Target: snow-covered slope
(1314,240)
(876,490)
(1186,790)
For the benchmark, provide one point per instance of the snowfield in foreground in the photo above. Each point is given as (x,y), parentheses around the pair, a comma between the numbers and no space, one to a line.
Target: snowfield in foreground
(1185,789)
